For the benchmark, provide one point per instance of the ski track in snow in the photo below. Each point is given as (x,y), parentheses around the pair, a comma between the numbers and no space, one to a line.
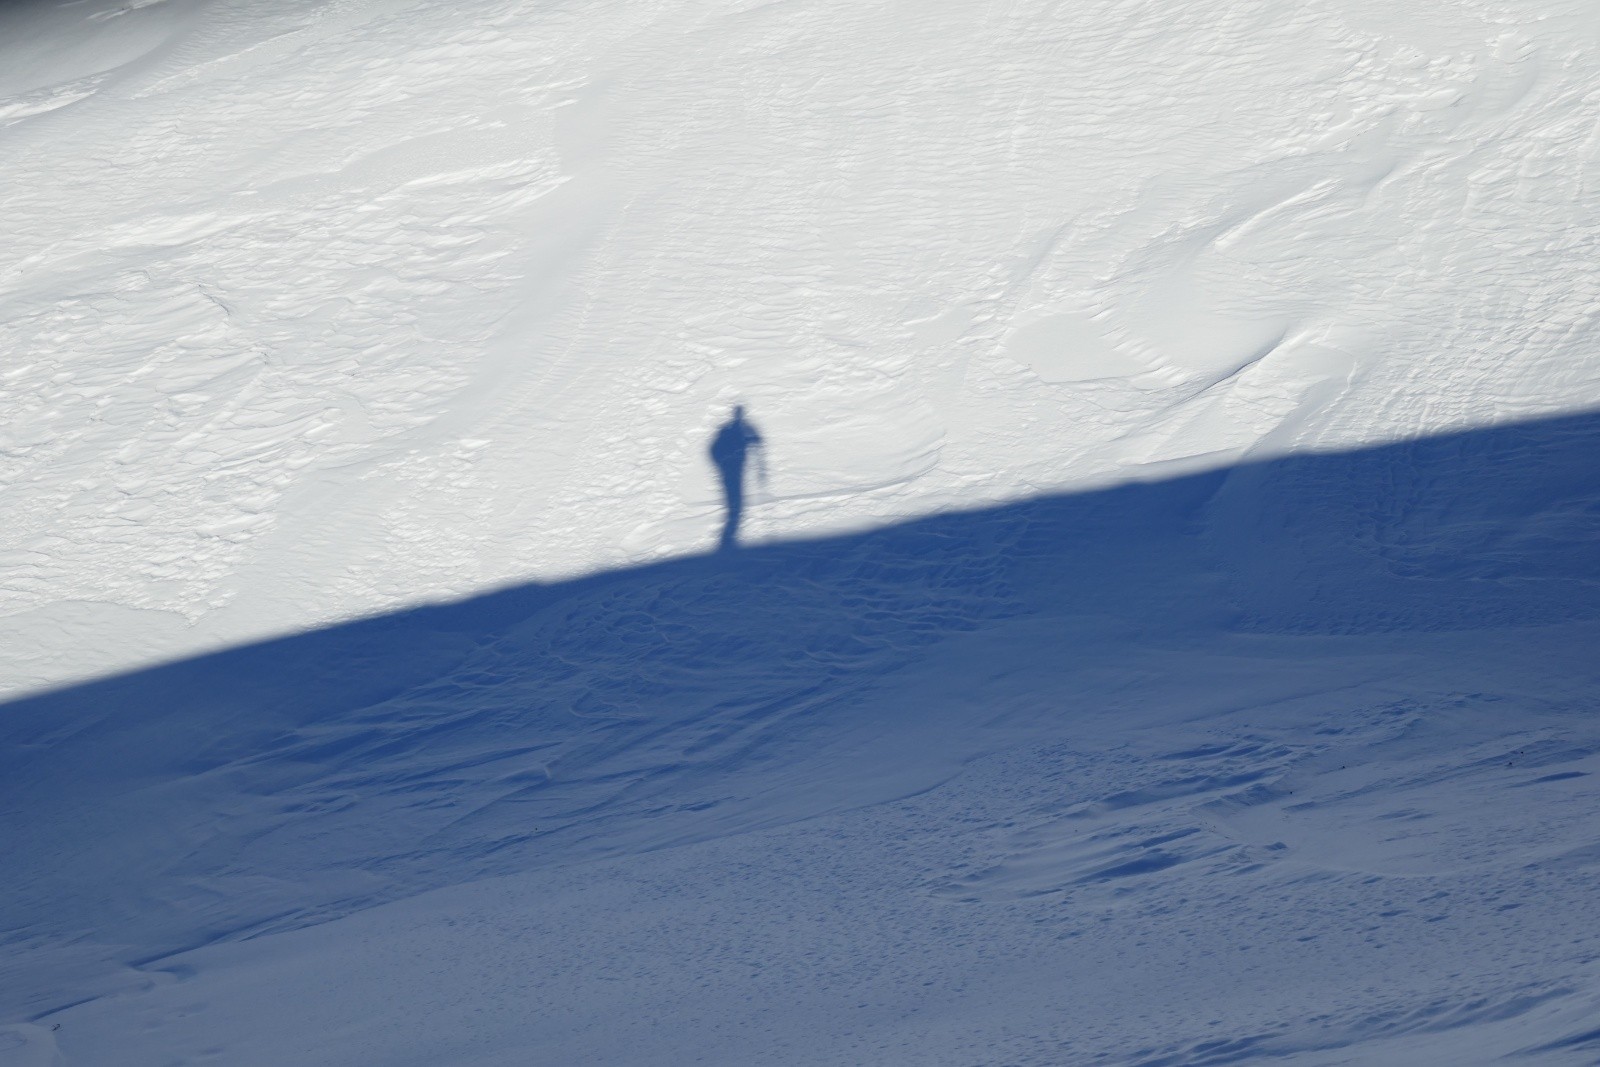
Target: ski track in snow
(315,311)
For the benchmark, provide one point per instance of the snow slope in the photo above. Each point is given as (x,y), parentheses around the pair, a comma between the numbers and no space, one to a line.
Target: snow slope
(1165,638)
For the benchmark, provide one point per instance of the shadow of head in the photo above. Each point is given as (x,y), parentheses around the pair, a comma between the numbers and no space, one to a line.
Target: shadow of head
(730,449)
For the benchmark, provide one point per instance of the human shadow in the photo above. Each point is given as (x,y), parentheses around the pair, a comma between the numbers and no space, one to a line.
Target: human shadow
(297,779)
(730,452)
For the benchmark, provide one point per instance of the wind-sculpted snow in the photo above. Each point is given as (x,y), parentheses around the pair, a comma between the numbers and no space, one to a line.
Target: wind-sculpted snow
(1289,759)
(317,308)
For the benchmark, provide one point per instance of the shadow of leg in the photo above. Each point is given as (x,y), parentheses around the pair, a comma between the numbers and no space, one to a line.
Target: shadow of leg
(733,496)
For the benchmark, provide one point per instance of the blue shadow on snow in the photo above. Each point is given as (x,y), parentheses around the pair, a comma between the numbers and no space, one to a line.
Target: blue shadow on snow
(488,735)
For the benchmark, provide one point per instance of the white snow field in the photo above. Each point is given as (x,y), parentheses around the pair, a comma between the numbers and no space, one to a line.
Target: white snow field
(1167,635)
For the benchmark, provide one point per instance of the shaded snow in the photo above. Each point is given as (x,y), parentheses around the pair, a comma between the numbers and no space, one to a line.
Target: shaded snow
(1295,757)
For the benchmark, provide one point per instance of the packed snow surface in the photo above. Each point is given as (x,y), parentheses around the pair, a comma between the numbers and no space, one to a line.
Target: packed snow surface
(1166,634)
